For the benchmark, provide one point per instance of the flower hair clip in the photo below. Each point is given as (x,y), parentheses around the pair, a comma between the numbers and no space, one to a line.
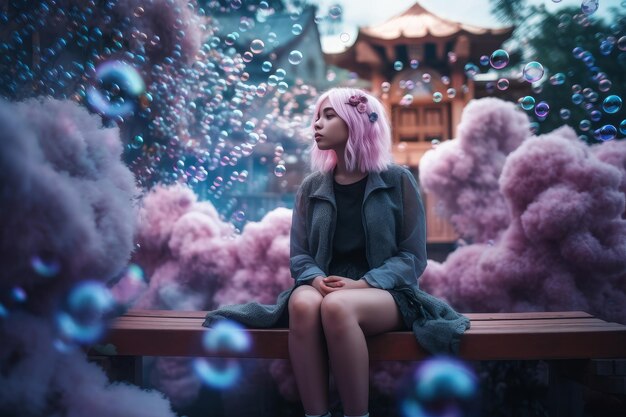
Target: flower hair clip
(359,102)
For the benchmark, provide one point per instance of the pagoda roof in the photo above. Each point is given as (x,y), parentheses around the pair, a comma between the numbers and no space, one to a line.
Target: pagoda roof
(417,22)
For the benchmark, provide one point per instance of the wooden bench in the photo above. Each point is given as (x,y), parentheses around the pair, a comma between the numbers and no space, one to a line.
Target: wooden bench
(568,340)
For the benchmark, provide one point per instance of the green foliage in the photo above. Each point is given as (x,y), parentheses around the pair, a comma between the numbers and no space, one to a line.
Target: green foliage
(550,39)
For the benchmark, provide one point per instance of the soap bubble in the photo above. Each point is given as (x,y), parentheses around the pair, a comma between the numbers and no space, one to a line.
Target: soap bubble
(499,59)
(266,66)
(228,337)
(87,308)
(606,132)
(622,127)
(257,46)
(117,89)
(440,387)
(612,104)
(426,77)
(584,125)
(621,43)
(484,60)
(296,29)
(136,142)
(437,96)
(542,109)
(335,11)
(280,170)
(451,92)
(557,79)
(385,86)
(398,65)
(533,71)
(527,103)
(605,85)
(589,7)
(565,114)
(295,57)
(577,98)
(344,37)
(502,84)
(471,70)
(414,63)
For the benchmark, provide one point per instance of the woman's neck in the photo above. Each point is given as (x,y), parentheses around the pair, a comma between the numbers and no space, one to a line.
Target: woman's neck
(343,176)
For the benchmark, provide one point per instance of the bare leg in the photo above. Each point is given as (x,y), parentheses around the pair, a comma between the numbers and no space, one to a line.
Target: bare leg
(347,317)
(307,349)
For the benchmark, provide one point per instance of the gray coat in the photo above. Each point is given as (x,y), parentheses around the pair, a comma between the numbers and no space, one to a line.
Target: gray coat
(394,224)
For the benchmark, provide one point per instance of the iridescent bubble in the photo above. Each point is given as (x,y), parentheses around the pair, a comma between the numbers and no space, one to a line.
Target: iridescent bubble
(584,125)
(247,56)
(451,92)
(606,132)
(296,29)
(534,128)
(426,77)
(230,39)
(577,98)
(266,66)
(484,60)
(137,142)
(499,59)
(229,337)
(280,73)
(272,80)
(280,170)
(595,115)
(471,70)
(452,58)
(385,86)
(612,104)
(235,4)
(589,7)
(527,103)
(542,109)
(606,47)
(437,96)
(279,150)
(406,100)
(295,57)
(201,174)
(117,89)
(139,11)
(621,43)
(533,71)
(502,84)
(88,306)
(440,387)
(565,114)
(414,63)
(604,85)
(282,87)
(239,216)
(445,80)
(45,265)
(398,65)
(335,11)
(257,46)
(344,37)
(557,79)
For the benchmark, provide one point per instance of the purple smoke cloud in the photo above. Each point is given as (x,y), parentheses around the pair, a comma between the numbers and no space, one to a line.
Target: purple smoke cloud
(565,246)
(67,217)
(463,173)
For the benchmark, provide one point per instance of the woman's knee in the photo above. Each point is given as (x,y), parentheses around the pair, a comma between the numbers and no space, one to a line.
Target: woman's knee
(304,305)
(337,312)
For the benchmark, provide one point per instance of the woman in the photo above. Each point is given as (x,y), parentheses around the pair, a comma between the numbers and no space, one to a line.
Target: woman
(358,247)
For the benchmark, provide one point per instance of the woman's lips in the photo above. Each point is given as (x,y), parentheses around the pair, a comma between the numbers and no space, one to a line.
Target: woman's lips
(317,136)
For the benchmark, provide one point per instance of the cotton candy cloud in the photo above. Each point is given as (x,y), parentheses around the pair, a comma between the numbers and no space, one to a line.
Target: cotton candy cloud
(463,173)
(68,217)
(564,247)
(193,260)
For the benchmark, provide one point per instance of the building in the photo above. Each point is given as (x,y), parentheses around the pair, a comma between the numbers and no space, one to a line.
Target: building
(416,63)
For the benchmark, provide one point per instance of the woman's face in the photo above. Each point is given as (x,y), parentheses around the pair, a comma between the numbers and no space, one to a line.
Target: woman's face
(331,132)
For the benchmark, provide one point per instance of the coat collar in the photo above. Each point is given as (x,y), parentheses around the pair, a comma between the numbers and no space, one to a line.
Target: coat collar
(324,187)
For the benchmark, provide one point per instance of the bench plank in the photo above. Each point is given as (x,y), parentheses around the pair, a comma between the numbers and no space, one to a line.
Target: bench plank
(492,336)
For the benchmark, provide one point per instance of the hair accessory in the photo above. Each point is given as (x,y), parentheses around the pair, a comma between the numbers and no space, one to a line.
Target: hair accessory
(359,102)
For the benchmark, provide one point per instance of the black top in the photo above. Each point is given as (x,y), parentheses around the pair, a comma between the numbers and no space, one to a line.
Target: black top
(348,259)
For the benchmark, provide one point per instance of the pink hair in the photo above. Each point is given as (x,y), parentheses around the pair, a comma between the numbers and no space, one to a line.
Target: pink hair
(369,143)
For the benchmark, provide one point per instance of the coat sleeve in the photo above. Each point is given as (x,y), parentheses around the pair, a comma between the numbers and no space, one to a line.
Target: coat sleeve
(409,263)
(301,264)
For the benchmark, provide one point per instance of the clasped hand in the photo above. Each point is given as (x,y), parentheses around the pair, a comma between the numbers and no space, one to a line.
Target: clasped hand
(332,283)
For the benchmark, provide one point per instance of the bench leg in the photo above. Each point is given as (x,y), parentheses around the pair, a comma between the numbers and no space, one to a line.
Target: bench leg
(565,392)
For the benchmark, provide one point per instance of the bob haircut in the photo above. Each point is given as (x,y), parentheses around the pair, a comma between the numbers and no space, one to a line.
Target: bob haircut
(369,143)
